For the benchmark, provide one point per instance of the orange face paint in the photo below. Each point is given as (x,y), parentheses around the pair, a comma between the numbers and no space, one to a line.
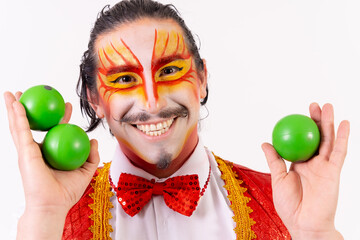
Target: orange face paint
(119,69)
(171,62)
(145,70)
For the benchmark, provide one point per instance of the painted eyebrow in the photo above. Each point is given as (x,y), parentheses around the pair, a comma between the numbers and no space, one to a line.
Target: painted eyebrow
(123,68)
(168,59)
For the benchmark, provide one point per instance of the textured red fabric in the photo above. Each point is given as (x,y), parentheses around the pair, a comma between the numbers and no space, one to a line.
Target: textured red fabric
(268,224)
(77,222)
(181,193)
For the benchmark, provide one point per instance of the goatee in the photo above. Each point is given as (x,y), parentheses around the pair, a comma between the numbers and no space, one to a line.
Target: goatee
(164,160)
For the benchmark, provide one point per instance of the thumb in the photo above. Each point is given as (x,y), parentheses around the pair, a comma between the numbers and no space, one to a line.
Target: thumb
(276,164)
(93,160)
(68,111)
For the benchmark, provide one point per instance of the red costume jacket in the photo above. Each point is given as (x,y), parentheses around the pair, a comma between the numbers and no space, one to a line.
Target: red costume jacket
(248,191)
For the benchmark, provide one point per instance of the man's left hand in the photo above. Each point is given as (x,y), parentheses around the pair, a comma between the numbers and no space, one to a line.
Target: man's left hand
(305,197)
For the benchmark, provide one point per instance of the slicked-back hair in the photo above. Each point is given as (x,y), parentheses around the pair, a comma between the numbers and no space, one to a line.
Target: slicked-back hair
(109,19)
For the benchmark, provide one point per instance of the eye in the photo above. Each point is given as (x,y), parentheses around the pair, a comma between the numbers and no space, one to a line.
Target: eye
(174,70)
(170,70)
(124,79)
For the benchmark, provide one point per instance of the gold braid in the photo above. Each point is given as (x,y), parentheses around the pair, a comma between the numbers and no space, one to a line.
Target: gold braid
(238,201)
(101,207)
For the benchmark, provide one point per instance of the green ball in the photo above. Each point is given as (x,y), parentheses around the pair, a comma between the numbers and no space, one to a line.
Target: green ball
(44,106)
(66,147)
(296,137)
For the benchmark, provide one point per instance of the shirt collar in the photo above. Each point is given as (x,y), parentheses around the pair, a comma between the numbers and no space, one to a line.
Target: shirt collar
(198,163)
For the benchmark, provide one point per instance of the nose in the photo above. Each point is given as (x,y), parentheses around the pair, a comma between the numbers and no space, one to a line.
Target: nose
(154,102)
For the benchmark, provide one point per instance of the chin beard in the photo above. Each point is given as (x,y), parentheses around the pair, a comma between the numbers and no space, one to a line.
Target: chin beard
(164,160)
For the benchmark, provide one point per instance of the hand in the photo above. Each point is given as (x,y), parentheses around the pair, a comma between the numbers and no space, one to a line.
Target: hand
(47,191)
(306,197)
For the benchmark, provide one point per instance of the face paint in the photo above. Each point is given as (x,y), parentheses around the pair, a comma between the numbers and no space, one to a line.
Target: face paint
(150,93)
(119,69)
(171,62)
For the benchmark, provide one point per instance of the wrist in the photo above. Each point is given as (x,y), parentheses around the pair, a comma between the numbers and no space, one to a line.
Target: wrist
(41,223)
(309,235)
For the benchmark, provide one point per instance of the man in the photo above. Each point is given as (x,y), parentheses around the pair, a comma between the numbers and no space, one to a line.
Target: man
(143,74)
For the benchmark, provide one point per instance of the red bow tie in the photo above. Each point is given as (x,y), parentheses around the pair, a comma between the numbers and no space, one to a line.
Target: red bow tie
(181,193)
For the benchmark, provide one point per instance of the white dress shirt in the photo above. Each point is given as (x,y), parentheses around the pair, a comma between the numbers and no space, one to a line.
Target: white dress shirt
(212,218)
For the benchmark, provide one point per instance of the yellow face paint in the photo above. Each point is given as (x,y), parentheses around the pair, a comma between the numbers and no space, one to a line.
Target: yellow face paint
(169,44)
(116,54)
(143,83)
(171,61)
(119,69)
(173,70)
(123,80)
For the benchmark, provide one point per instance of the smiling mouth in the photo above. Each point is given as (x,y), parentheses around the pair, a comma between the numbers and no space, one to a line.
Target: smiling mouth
(155,129)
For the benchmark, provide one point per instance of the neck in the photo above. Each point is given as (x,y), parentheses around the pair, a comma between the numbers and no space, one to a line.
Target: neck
(175,164)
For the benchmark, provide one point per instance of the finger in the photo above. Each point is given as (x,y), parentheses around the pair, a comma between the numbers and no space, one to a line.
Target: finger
(68,111)
(315,113)
(327,130)
(276,164)
(93,160)
(18,95)
(22,129)
(9,100)
(340,147)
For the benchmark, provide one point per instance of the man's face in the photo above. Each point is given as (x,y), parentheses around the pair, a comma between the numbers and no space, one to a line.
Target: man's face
(149,90)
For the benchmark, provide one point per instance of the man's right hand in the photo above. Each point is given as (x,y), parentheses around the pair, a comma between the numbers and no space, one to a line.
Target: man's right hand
(49,193)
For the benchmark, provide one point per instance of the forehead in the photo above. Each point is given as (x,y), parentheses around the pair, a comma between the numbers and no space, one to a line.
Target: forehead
(139,35)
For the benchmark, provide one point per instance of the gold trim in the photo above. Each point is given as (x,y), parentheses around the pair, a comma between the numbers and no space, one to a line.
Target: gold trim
(101,207)
(238,201)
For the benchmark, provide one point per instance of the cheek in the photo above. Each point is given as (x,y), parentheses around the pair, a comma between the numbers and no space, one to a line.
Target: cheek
(121,101)
(184,92)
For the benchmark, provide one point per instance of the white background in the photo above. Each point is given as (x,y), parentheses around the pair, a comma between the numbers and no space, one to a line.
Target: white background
(266,59)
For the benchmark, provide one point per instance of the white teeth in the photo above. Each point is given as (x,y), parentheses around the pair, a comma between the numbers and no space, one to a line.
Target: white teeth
(169,122)
(159,126)
(155,129)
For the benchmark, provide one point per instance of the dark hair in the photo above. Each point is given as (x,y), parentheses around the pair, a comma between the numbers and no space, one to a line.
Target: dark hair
(108,19)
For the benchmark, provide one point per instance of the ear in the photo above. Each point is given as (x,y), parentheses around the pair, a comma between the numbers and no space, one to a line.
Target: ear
(95,104)
(203,82)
